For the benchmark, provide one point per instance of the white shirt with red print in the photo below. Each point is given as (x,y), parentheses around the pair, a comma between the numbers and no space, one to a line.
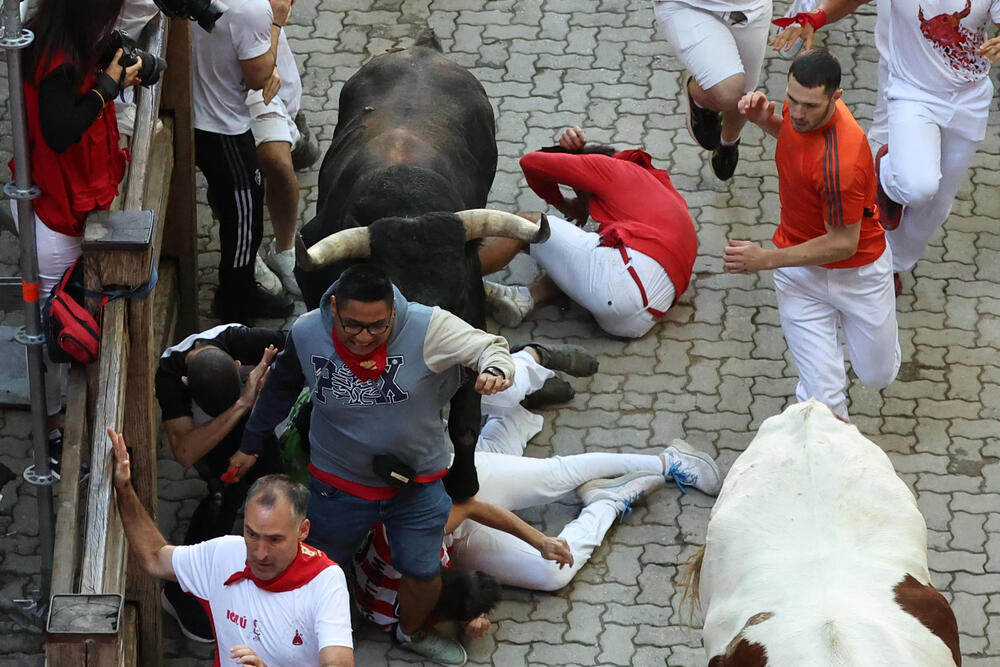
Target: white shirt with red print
(284,628)
(933,44)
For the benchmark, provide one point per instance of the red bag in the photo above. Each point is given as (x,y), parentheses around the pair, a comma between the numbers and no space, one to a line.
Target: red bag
(72,333)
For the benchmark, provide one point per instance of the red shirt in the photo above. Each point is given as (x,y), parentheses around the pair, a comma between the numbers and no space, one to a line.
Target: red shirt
(635,204)
(827,176)
(83,178)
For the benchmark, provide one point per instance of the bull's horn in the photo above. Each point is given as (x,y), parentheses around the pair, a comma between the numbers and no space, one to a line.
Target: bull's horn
(345,244)
(480,222)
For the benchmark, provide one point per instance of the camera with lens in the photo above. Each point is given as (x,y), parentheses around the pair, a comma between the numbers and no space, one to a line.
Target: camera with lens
(205,12)
(152,66)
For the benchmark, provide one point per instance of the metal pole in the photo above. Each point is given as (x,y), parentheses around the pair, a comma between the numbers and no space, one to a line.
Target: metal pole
(22,191)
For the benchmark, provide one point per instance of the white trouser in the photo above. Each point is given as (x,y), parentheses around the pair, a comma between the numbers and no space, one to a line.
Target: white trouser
(509,425)
(812,301)
(711,46)
(597,278)
(56,252)
(516,482)
(932,140)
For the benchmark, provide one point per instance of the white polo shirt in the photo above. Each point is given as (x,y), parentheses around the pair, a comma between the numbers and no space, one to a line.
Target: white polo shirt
(287,628)
(243,32)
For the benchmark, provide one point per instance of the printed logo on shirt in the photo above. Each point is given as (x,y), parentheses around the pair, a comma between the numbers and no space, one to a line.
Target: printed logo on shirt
(237,619)
(297,640)
(955,43)
(343,386)
(256,630)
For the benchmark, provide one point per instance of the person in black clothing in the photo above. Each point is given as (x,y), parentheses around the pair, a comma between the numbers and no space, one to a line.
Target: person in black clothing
(205,403)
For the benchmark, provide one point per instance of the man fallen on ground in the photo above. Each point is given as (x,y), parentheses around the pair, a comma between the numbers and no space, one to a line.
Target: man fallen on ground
(266,590)
(629,272)
(486,543)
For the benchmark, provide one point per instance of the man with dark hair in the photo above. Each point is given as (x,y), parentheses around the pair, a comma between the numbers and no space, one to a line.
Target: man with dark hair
(831,264)
(381,370)
(629,272)
(273,600)
(204,405)
(931,109)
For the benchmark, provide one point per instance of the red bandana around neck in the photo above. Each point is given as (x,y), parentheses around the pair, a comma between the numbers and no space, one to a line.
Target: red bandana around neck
(364,368)
(307,564)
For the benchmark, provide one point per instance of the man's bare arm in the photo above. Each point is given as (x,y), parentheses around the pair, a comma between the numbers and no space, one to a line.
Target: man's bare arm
(144,538)
(336,656)
(835,10)
(839,243)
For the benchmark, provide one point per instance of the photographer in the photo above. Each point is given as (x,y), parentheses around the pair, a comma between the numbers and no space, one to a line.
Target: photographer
(73,139)
(239,54)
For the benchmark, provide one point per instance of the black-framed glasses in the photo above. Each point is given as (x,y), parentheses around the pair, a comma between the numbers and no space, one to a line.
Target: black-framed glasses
(353,328)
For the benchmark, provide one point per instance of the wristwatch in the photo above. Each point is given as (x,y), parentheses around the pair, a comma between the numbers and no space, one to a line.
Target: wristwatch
(493,370)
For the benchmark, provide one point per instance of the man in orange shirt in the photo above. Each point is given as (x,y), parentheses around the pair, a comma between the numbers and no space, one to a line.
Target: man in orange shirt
(831,264)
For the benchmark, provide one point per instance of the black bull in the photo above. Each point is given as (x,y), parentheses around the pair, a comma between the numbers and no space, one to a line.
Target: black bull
(415,135)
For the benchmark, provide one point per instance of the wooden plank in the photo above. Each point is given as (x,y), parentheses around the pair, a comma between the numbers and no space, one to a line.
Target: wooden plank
(180,237)
(146,112)
(65,654)
(108,412)
(129,634)
(158,183)
(165,304)
(67,516)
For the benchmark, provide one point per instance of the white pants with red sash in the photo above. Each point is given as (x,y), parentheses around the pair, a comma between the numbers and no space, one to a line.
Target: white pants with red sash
(599,279)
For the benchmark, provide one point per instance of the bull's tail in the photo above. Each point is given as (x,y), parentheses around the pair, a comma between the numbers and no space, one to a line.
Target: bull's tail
(690,582)
(429,39)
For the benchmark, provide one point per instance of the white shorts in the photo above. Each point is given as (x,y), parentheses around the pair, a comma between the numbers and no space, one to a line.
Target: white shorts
(270,122)
(711,47)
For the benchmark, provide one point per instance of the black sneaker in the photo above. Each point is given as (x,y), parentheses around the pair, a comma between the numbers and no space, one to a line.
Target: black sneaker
(555,390)
(188,612)
(704,125)
(724,159)
(248,307)
(55,452)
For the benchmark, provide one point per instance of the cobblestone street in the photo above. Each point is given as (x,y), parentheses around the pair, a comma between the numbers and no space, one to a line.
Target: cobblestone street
(711,373)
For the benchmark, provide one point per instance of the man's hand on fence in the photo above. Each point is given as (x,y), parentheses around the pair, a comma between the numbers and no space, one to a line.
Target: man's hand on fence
(123,467)
(244,655)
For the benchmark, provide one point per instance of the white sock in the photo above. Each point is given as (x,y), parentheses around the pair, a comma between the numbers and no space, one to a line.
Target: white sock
(729,143)
(401,636)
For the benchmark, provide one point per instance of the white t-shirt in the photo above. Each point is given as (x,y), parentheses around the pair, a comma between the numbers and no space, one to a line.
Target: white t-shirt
(287,628)
(243,32)
(932,44)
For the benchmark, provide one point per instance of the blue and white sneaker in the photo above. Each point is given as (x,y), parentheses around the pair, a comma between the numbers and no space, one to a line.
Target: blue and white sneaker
(688,466)
(624,491)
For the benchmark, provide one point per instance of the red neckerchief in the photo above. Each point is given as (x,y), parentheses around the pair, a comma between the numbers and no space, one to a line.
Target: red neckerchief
(307,564)
(364,368)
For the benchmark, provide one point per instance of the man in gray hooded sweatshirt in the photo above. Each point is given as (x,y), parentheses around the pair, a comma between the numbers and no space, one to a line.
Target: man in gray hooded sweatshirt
(381,369)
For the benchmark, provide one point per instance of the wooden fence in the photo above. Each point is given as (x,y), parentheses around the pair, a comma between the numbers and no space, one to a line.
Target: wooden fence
(91,554)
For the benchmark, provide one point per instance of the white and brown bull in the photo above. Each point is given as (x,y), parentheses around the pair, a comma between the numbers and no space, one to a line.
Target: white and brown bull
(816,556)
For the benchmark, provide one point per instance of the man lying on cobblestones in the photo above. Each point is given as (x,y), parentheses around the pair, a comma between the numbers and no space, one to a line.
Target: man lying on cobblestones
(273,600)
(486,543)
(204,405)
(629,272)
(831,265)
(381,370)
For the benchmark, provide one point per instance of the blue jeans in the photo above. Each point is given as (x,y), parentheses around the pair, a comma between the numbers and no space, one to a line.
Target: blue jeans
(414,520)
